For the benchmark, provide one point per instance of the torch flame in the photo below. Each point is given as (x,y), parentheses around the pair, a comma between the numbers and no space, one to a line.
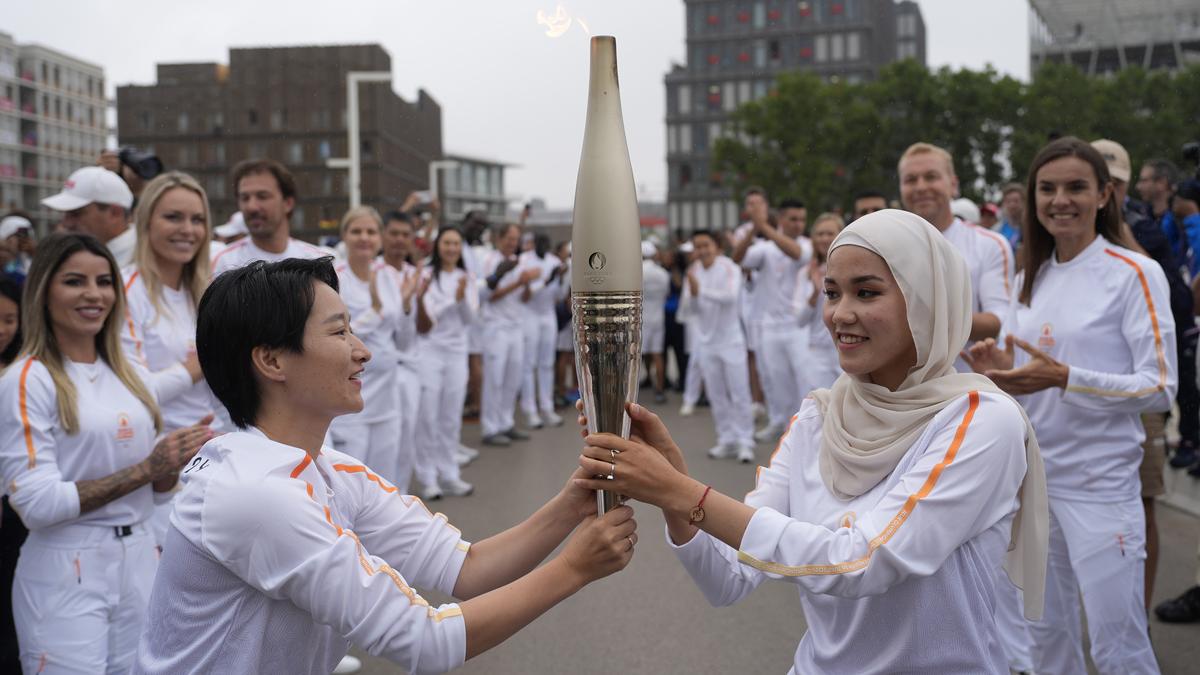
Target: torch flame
(558,23)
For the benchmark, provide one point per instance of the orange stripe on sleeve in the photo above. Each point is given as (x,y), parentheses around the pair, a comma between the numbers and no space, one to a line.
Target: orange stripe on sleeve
(24,406)
(1003,244)
(1158,341)
(893,526)
(129,315)
(778,446)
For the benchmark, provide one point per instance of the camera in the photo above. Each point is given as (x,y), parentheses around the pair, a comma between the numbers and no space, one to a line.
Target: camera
(144,164)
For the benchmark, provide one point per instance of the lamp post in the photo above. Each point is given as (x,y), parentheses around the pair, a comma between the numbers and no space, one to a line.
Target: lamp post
(354,162)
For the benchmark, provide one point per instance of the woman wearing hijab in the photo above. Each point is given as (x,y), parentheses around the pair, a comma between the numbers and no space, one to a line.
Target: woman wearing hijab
(1085,371)
(893,497)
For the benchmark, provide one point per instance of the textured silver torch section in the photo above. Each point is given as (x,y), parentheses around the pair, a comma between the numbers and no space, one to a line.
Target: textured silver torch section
(608,347)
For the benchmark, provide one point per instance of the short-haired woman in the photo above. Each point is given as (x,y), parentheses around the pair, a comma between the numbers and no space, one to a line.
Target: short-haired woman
(80,461)
(283,552)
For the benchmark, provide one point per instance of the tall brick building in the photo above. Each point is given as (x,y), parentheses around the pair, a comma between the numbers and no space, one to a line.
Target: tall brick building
(289,104)
(736,49)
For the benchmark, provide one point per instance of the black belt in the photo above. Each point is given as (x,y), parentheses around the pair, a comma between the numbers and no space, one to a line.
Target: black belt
(122,531)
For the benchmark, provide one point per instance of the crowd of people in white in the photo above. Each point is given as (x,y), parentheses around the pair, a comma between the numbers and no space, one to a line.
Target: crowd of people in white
(107,404)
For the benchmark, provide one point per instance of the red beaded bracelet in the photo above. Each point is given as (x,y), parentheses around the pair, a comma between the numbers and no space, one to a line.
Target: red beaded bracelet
(697,514)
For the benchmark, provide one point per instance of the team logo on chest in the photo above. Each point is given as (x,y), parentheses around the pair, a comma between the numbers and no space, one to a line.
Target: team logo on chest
(1046,339)
(124,428)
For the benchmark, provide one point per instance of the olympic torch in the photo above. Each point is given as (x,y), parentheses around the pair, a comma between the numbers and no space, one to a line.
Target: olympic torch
(606,260)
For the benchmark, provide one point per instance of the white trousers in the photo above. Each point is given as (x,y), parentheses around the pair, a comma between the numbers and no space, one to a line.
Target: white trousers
(1097,550)
(727,381)
(79,599)
(443,390)
(782,360)
(409,382)
(541,338)
(376,444)
(503,357)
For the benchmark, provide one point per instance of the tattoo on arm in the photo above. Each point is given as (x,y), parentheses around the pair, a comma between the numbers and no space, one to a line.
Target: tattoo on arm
(96,493)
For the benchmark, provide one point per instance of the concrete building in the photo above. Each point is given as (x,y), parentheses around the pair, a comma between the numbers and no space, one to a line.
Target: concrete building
(51,123)
(474,185)
(736,49)
(1103,36)
(289,104)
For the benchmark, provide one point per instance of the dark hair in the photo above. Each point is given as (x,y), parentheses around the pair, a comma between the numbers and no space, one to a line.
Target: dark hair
(1012,187)
(755,190)
(1163,168)
(397,216)
(706,233)
(503,228)
(790,203)
(435,258)
(283,177)
(541,245)
(259,305)
(9,288)
(870,194)
(1038,243)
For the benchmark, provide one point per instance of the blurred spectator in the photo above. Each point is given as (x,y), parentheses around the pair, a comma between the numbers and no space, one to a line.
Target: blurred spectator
(989,215)
(134,166)
(16,239)
(1012,212)
(868,201)
(96,201)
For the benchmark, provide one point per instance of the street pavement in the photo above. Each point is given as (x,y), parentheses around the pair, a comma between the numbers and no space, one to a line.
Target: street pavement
(650,618)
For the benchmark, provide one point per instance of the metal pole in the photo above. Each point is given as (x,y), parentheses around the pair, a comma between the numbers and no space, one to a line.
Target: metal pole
(355,151)
(354,154)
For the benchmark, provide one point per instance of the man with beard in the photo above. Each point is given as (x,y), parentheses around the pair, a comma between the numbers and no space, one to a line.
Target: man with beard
(266,194)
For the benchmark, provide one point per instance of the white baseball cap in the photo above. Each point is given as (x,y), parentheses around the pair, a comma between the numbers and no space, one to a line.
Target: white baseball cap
(235,226)
(966,209)
(91,185)
(649,250)
(13,224)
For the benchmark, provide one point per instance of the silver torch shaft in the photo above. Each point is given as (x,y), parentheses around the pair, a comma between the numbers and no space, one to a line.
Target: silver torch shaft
(606,260)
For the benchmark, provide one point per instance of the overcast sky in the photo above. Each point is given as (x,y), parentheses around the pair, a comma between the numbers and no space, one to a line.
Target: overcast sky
(507,91)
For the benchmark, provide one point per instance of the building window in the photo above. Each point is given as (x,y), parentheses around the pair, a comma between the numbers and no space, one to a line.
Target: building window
(714,97)
(743,91)
(701,215)
(760,14)
(837,47)
(906,49)
(187,154)
(714,132)
(497,181)
(821,50)
(217,122)
(297,216)
(183,121)
(278,119)
(701,138)
(760,54)
(853,46)
(685,175)
(216,187)
(774,53)
(760,88)
(685,138)
(365,149)
(730,96)
(906,25)
(295,152)
(672,139)
(685,99)
(219,153)
(258,150)
(252,117)
(323,150)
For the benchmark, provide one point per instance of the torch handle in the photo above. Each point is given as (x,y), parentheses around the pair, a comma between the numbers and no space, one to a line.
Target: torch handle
(608,347)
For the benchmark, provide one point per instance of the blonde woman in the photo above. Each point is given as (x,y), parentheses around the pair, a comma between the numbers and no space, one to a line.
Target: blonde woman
(809,301)
(81,462)
(382,315)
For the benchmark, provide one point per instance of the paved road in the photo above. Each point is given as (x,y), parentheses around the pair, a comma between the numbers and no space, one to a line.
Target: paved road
(651,618)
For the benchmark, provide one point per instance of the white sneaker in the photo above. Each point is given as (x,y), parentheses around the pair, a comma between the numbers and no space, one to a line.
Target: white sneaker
(768,434)
(687,410)
(431,493)
(457,488)
(464,455)
(552,418)
(348,664)
(758,410)
(721,451)
(745,454)
(533,421)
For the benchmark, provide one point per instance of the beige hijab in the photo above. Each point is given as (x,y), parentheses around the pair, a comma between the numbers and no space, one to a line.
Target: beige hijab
(868,429)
